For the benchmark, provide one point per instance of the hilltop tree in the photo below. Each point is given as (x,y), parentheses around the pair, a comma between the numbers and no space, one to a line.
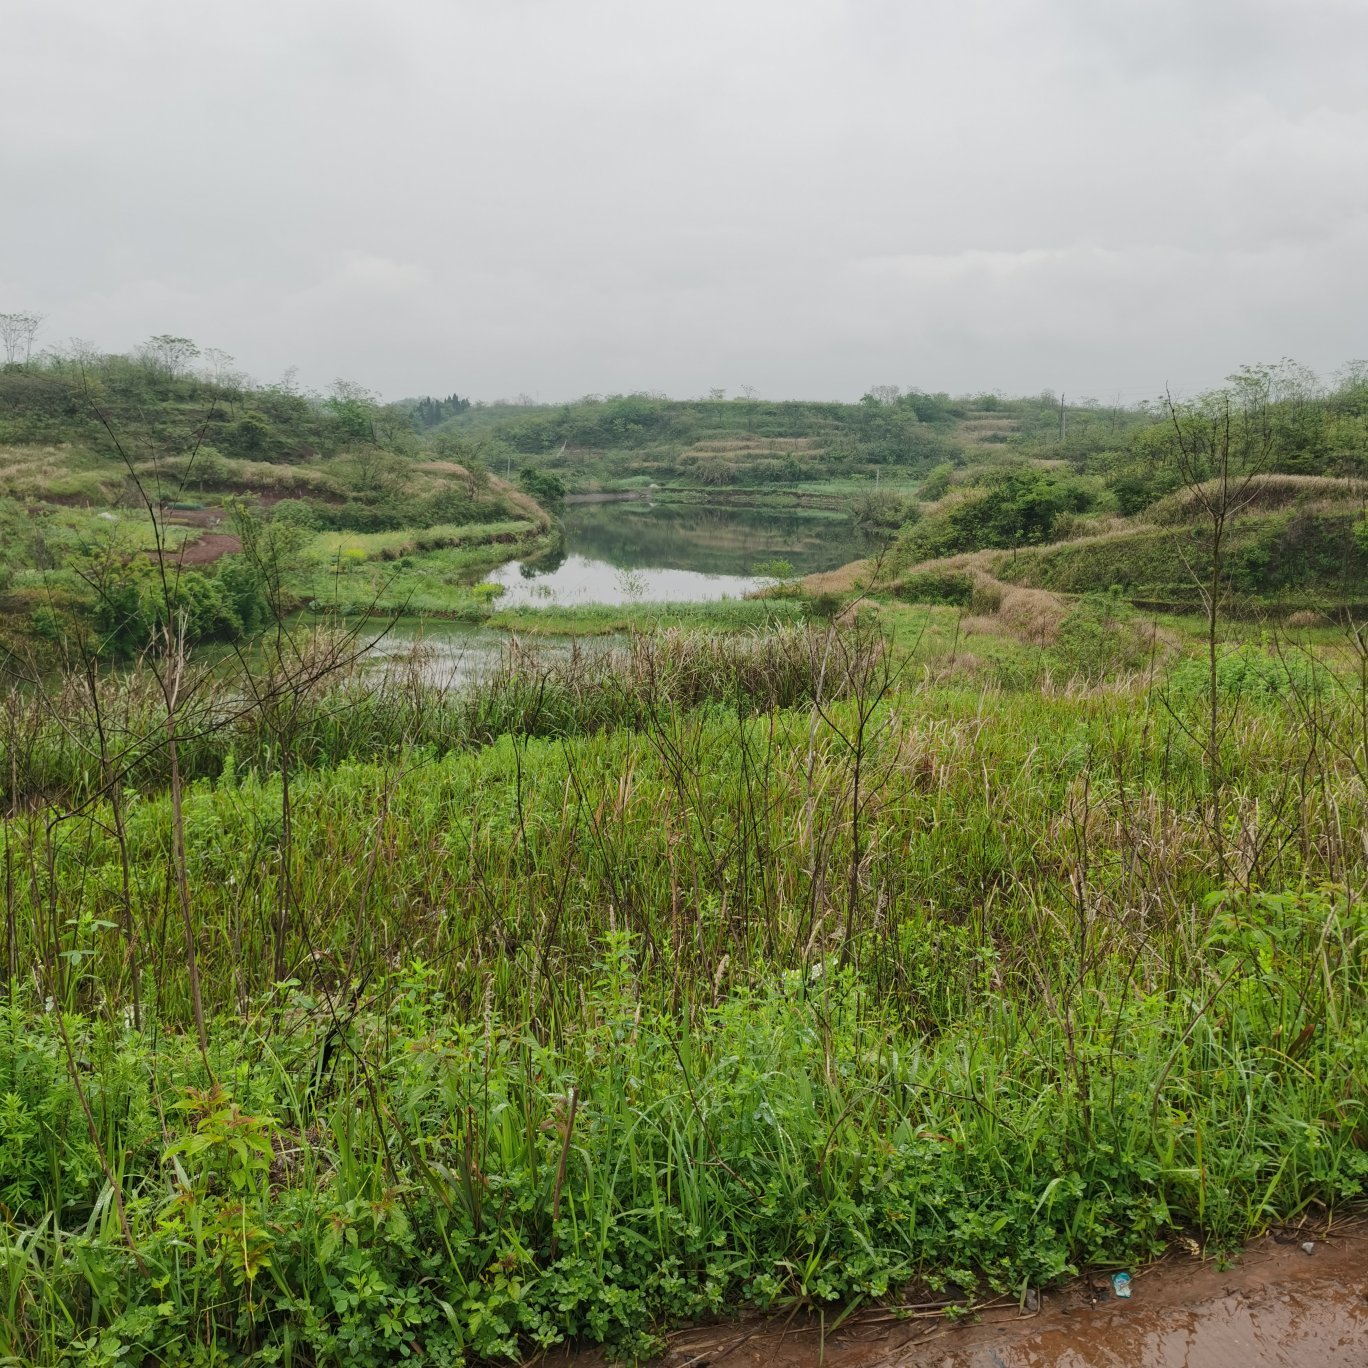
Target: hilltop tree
(17,331)
(168,355)
(428,412)
(219,369)
(353,407)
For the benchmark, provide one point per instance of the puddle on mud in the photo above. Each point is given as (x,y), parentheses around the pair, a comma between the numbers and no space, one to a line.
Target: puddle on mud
(1277,1306)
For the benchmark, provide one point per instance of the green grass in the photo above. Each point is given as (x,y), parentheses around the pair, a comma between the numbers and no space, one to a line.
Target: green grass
(801,1142)
(755,968)
(431,571)
(326,547)
(731,615)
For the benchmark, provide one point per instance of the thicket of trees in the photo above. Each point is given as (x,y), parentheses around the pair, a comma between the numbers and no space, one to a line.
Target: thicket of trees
(428,412)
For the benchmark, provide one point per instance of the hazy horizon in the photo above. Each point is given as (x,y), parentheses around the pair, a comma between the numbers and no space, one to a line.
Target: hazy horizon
(808,198)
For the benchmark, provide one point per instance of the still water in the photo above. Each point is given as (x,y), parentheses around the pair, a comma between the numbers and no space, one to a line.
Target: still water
(616,553)
(639,552)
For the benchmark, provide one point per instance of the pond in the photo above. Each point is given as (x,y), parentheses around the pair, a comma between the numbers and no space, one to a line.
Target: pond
(640,552)
(630,552)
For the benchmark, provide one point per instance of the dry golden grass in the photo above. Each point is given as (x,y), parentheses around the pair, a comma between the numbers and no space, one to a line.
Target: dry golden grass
(1032,615)
(844,580)
(14,458)
(955,665)
(1268,494)
(444,468)
(58,474)
(1075,527)
(956,494)
(524,503)
(974,563)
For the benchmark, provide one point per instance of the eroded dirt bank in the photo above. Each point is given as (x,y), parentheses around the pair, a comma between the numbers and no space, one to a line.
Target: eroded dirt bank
(1277,1306)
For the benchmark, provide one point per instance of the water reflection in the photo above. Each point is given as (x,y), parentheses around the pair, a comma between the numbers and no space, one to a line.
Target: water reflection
(622,553)
(580,580)
(710,538)
(617,553)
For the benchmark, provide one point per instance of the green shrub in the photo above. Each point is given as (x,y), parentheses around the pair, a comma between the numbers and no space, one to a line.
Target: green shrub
(936,586)
(547,489)
(1017,506)
(297,513)
(1098,641)
(936,485)
(47,625)
(1249,671)
(251,434)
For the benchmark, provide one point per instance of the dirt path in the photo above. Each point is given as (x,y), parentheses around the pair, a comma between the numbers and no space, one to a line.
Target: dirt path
(204,550)
(1277,1306)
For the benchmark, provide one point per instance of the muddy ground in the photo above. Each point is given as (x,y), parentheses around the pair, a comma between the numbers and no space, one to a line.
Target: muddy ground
(1278,1305)
(207,549)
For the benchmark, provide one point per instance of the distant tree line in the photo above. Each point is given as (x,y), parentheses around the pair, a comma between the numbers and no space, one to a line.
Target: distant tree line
(428,412)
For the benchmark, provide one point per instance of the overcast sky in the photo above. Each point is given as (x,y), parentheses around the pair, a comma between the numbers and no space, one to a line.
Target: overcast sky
(808,196)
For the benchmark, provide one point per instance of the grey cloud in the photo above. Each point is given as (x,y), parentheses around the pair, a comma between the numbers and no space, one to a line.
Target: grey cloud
(562,196)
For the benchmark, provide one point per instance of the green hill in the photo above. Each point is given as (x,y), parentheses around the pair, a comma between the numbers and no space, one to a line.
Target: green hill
(252,495)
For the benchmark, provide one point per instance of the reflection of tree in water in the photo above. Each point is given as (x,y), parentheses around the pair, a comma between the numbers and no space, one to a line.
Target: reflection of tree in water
(545,563)
(631,584)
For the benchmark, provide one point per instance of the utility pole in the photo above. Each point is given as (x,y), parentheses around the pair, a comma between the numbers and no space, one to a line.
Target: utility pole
(1061,418)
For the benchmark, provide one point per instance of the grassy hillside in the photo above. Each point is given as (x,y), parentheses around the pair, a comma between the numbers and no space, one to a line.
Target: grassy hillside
(1300,544)
(252,499)
(1256,493)
(748,445)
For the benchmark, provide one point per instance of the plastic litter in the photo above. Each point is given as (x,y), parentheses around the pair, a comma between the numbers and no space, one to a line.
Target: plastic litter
(1121,1284)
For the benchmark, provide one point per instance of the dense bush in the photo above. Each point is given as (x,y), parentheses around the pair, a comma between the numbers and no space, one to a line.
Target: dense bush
(1017,506)
(133,605)
(297,513)
(936,586)
(547,489)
